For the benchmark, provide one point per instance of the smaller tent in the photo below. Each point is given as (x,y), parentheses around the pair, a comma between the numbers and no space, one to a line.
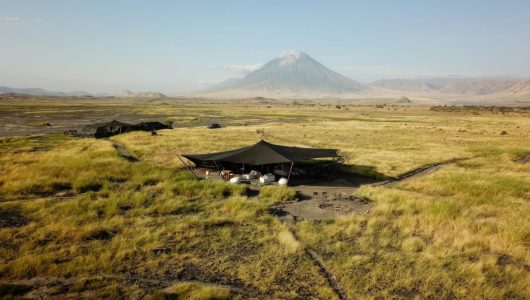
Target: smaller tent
(214,126)
(107,129)
(150,126)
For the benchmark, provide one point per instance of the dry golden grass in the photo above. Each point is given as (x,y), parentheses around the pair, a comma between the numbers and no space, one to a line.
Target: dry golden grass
(157,222)
(461,232)
(458,232)
(195,291)
(384,141)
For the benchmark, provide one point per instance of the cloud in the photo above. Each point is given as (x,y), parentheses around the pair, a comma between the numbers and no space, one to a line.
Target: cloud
(37,20)
(9,18)
(296,53)
(244,69)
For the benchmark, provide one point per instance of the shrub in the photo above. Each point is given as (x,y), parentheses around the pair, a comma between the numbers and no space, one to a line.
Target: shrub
(413,244)
(288,241)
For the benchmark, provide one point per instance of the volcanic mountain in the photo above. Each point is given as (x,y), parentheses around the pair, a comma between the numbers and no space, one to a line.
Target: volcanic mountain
(293,73)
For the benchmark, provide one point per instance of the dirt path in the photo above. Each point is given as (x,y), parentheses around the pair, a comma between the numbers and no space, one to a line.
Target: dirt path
(524,159)
(332,280)
(326,272)
(122,152)
(423,170)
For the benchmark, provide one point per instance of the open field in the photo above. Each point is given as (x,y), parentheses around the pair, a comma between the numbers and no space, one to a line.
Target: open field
(78,220)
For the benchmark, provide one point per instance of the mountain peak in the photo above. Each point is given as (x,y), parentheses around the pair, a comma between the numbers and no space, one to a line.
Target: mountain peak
(294,72)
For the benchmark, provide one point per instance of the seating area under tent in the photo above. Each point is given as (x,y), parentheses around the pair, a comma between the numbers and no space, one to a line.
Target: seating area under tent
(266,163)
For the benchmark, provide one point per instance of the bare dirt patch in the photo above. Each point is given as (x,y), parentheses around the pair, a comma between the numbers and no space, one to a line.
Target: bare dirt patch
(317,209)
(324,201)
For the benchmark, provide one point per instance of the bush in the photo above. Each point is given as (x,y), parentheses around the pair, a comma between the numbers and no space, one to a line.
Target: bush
(412,245)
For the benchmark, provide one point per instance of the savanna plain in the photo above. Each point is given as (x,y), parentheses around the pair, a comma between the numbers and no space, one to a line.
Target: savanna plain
(77,220)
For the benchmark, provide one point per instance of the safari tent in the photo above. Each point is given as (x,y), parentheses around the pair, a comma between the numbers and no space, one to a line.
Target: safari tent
(150,126)
(106,129)
(262,154)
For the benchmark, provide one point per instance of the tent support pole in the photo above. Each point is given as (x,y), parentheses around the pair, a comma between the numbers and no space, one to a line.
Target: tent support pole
(290,170)
(187,166)
(340,161)
(215,163)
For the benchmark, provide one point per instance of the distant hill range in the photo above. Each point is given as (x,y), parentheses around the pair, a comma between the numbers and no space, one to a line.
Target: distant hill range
(42,92)
(150,95)
(459,86)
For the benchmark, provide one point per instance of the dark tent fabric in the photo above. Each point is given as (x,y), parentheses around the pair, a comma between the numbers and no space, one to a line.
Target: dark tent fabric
(263,153)
(107,129)
(149,126)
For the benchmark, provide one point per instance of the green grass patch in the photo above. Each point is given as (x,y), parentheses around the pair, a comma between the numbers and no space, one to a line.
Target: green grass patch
(273,194)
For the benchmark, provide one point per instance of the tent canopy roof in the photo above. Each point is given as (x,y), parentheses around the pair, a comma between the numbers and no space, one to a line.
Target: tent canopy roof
(115,127)
(263,153)
(106,126)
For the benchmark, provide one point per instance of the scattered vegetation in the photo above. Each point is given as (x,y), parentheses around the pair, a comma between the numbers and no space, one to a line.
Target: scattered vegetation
(475,108)
(443,235)
(74,211)
(193,291)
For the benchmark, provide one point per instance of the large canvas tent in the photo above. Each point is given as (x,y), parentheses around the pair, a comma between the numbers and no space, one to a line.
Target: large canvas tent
(262,154)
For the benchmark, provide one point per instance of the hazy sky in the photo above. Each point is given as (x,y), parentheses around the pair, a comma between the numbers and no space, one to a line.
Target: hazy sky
(177,46)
